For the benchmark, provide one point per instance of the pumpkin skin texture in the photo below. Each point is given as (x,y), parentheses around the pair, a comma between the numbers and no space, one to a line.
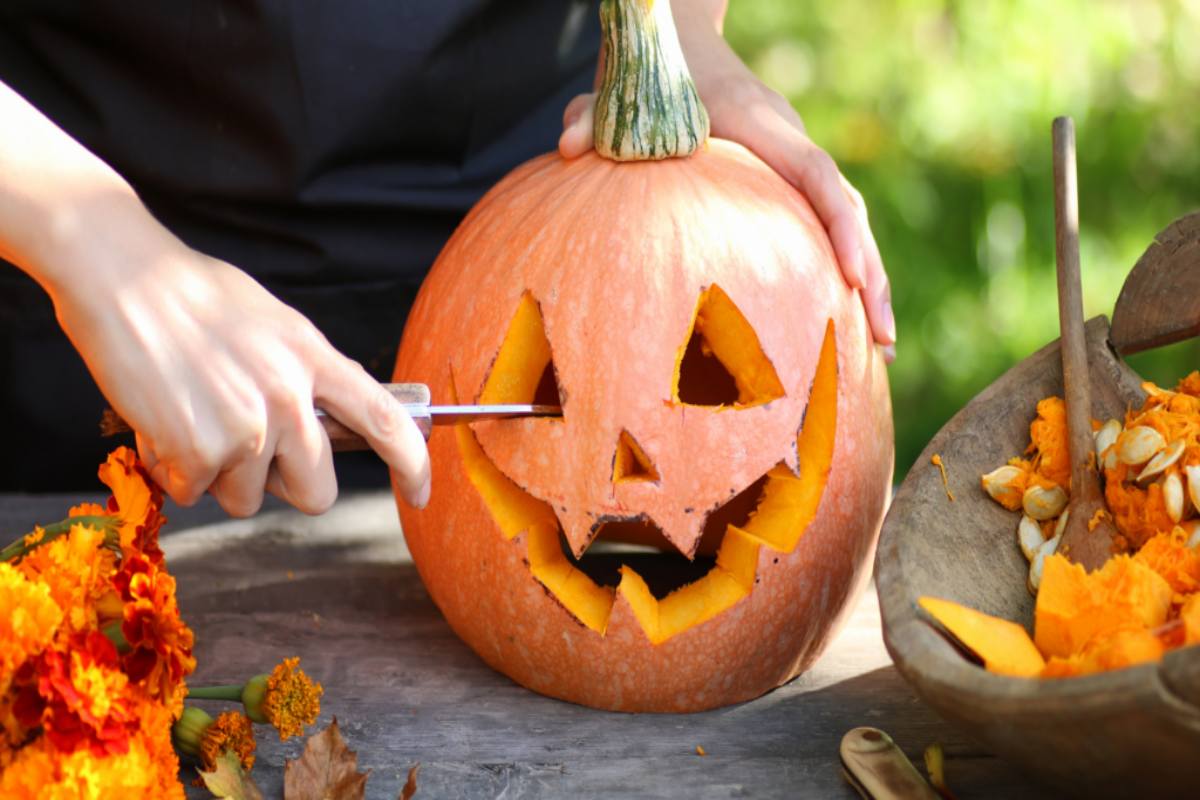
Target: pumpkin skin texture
(615,258)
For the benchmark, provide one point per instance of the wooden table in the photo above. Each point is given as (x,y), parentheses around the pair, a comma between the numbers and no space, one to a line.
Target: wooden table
(341,592)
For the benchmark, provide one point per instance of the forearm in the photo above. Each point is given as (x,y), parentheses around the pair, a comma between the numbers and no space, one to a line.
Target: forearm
(59,203)
(707,12)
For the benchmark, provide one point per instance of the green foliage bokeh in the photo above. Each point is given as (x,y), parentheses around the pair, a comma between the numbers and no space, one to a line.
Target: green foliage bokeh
(939,111)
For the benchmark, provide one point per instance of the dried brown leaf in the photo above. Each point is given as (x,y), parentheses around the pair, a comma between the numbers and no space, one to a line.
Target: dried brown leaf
(326,770)
(410,785)
(229,780)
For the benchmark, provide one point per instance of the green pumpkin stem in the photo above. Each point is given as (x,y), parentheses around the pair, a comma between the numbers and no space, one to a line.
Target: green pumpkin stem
(647,107)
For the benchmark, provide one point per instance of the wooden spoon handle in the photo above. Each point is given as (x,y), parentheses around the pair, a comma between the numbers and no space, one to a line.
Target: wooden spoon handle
(1076,387)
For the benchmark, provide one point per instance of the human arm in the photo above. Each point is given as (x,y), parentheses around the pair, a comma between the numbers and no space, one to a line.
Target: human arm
(218,377)
(743,109)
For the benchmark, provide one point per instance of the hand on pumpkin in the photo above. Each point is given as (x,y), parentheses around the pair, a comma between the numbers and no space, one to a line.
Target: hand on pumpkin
(742,109)
(218,377)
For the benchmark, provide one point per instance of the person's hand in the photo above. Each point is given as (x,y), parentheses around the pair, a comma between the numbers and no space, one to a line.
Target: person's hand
(219,378)
(742,109)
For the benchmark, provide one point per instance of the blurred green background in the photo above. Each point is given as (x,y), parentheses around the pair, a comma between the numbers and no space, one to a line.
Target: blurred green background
(939,112)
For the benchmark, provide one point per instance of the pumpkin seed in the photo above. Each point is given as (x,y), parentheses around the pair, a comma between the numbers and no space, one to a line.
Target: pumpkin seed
(1139,444)
(1061,525)
(1105,438)
(1039,564)
(1193,484)
(1042,504)
(1029,536)
(1193,529)
(1002,483)
(1173,496)
(1162,460)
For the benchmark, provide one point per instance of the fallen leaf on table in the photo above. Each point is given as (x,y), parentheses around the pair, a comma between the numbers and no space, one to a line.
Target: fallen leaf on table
(229,780)
(410,785)
(326,770)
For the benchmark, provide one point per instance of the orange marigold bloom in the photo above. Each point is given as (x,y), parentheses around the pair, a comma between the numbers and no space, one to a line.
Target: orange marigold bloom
(80,698)
(148,770)
(76,568)
(289,700)
(160,655)
(29,618)
(136,500)
(232,731)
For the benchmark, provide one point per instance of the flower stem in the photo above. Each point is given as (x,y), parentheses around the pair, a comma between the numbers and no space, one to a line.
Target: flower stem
(17,549)
(228,692)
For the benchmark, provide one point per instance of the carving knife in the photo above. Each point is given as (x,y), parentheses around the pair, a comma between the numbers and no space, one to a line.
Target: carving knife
(414,397)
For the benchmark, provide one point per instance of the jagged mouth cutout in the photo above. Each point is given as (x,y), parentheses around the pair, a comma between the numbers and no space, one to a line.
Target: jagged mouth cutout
(721,364)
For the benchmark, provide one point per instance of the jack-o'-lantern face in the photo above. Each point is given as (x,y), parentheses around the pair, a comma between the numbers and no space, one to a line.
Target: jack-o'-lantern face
(689,531)
(716,389)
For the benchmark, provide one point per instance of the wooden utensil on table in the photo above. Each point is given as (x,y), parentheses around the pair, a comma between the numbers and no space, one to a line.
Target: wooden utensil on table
(1089,535)
(414,397)
(878,769)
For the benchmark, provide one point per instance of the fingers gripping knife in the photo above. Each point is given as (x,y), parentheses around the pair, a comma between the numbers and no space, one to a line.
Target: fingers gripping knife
(415,399)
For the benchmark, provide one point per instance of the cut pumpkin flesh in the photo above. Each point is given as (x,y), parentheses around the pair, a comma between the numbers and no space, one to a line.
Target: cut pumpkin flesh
(1004,646)
(787,504)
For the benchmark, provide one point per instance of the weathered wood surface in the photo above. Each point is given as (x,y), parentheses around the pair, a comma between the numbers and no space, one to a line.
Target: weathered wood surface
(1133,732)
(405,690)
(1157,304)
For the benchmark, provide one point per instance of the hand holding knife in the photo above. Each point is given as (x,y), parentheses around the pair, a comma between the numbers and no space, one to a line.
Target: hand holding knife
(415,398)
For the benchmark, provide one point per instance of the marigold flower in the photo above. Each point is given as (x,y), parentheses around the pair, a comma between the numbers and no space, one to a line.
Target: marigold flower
(231,731)
(148,769)
(137,500)
(80,698)
(287,698)
(29,618)
(160,642)
(76,568)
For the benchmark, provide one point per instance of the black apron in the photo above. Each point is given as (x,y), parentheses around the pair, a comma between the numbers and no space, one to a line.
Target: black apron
(327,148)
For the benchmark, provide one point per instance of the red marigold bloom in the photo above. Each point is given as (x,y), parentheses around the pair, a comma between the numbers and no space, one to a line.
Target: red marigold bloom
(79,697)
(160,642)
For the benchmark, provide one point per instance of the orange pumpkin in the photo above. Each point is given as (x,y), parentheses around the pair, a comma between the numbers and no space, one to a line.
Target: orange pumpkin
(690,531)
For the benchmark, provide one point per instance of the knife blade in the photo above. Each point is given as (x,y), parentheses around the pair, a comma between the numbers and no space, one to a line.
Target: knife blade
(414,397)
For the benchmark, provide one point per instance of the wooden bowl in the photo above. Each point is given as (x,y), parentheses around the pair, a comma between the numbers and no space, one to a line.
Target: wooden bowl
(1128,733)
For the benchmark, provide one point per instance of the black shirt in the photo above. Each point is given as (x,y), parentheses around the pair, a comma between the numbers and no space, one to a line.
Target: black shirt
(327,148)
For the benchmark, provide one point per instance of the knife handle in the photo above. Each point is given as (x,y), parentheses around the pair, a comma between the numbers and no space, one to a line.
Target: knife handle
(414,396)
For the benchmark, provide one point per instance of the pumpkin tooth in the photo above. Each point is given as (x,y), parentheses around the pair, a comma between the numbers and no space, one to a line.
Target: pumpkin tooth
(1162,460)
(1029,537)
(1042,503)
(1139,444)
(1004,484)
(1105,438)
(1173,496)
(1038,564)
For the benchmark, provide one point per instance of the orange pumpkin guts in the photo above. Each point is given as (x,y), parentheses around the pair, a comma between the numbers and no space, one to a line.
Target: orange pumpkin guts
(1142,603)
(689,533)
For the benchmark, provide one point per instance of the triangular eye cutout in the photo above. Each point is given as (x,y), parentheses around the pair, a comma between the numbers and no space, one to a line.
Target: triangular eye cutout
(630,462)
(523,371)
(723,363)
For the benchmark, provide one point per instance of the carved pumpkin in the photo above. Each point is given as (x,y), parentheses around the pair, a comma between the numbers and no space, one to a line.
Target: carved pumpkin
(689,532)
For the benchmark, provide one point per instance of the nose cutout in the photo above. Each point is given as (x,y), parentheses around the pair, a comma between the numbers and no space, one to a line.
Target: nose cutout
(630,462)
